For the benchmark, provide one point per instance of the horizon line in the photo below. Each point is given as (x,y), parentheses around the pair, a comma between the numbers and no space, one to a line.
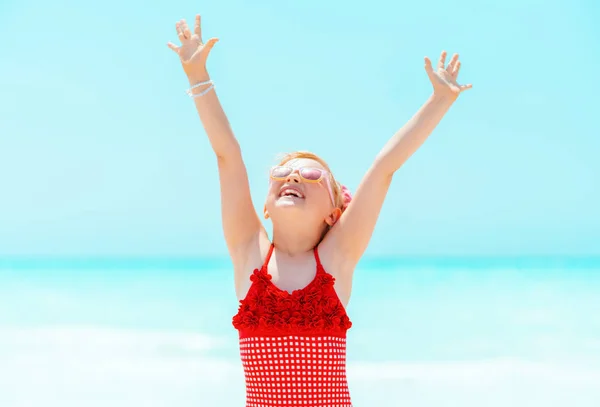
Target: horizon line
(223,261)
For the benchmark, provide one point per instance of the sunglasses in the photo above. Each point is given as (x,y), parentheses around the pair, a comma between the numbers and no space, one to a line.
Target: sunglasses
(306,174)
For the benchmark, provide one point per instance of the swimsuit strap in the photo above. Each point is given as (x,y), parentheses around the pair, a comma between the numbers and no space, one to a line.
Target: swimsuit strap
(266,263)
(315,251)
(317,259)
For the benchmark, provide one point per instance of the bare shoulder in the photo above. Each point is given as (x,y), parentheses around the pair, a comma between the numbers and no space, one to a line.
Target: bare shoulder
(333,257)
(246,259)
(338,265)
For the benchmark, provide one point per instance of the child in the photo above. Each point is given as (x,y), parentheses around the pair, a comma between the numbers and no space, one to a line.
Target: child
(292,319)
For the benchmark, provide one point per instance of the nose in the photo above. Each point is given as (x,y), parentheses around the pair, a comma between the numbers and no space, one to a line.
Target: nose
(293,177)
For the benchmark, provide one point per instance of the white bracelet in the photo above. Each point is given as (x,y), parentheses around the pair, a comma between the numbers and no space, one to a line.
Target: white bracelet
(204,92)
(189,91)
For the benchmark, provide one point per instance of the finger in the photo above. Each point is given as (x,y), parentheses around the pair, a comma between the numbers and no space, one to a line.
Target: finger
(197,27)
(209,45)
(179,31)
(465,87)
(186,30)
(456,69)
(428,67)
(174,47)
(452,63)
(442,61)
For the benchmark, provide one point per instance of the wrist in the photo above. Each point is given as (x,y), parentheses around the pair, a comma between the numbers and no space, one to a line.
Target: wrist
(198,77)
(443,98)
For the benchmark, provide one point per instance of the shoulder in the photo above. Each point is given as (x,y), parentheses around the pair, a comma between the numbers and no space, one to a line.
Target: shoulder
(334,259)
(248,258)
(339,266)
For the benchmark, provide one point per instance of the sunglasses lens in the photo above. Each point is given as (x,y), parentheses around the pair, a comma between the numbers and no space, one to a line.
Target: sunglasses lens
(311,174)
(280,172)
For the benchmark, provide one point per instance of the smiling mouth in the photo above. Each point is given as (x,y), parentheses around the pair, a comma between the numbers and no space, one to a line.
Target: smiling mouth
(291,192)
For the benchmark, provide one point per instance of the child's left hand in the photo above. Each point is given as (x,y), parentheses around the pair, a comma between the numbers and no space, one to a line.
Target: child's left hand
(444,79)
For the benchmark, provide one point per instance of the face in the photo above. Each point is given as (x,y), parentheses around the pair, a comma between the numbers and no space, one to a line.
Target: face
(300,186)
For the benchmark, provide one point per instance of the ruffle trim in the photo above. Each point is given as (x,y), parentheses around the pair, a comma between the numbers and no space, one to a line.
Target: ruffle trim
(314,309)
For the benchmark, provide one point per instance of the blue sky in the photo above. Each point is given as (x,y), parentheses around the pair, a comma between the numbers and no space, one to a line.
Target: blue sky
(101,151)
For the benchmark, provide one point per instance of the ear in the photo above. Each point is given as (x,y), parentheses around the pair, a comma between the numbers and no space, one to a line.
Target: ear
(333,217)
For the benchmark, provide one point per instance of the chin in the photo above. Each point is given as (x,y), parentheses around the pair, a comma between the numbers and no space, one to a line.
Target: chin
(288,209)
(289,203)
(283,203)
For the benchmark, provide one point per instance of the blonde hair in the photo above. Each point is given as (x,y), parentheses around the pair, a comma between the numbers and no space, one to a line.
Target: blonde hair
(341,201)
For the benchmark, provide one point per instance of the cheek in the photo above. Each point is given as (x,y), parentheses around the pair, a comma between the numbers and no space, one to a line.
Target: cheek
(273,190)
(319,194)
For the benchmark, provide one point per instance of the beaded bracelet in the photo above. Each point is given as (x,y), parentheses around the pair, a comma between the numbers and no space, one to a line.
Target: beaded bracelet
(204,92)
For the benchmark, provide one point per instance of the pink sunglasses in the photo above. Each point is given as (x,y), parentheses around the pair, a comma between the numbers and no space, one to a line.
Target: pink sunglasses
(306,174)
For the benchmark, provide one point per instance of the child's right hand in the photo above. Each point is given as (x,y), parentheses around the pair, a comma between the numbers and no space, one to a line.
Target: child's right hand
(192,52)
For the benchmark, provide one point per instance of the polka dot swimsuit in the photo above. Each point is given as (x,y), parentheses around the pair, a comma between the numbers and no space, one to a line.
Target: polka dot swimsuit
(293,345)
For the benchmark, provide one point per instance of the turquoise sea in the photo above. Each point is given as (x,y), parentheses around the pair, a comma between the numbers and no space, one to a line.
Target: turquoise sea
(466,332)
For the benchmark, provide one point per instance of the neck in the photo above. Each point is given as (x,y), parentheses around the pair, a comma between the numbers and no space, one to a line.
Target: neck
(295,240)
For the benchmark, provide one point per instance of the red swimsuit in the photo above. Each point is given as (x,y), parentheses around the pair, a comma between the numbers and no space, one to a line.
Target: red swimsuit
(293,346)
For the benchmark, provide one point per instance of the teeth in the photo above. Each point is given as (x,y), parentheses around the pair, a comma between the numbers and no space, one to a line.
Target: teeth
(291,192)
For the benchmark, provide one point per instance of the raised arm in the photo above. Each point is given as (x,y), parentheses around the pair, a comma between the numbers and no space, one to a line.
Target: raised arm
(350,236)
(240,220)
